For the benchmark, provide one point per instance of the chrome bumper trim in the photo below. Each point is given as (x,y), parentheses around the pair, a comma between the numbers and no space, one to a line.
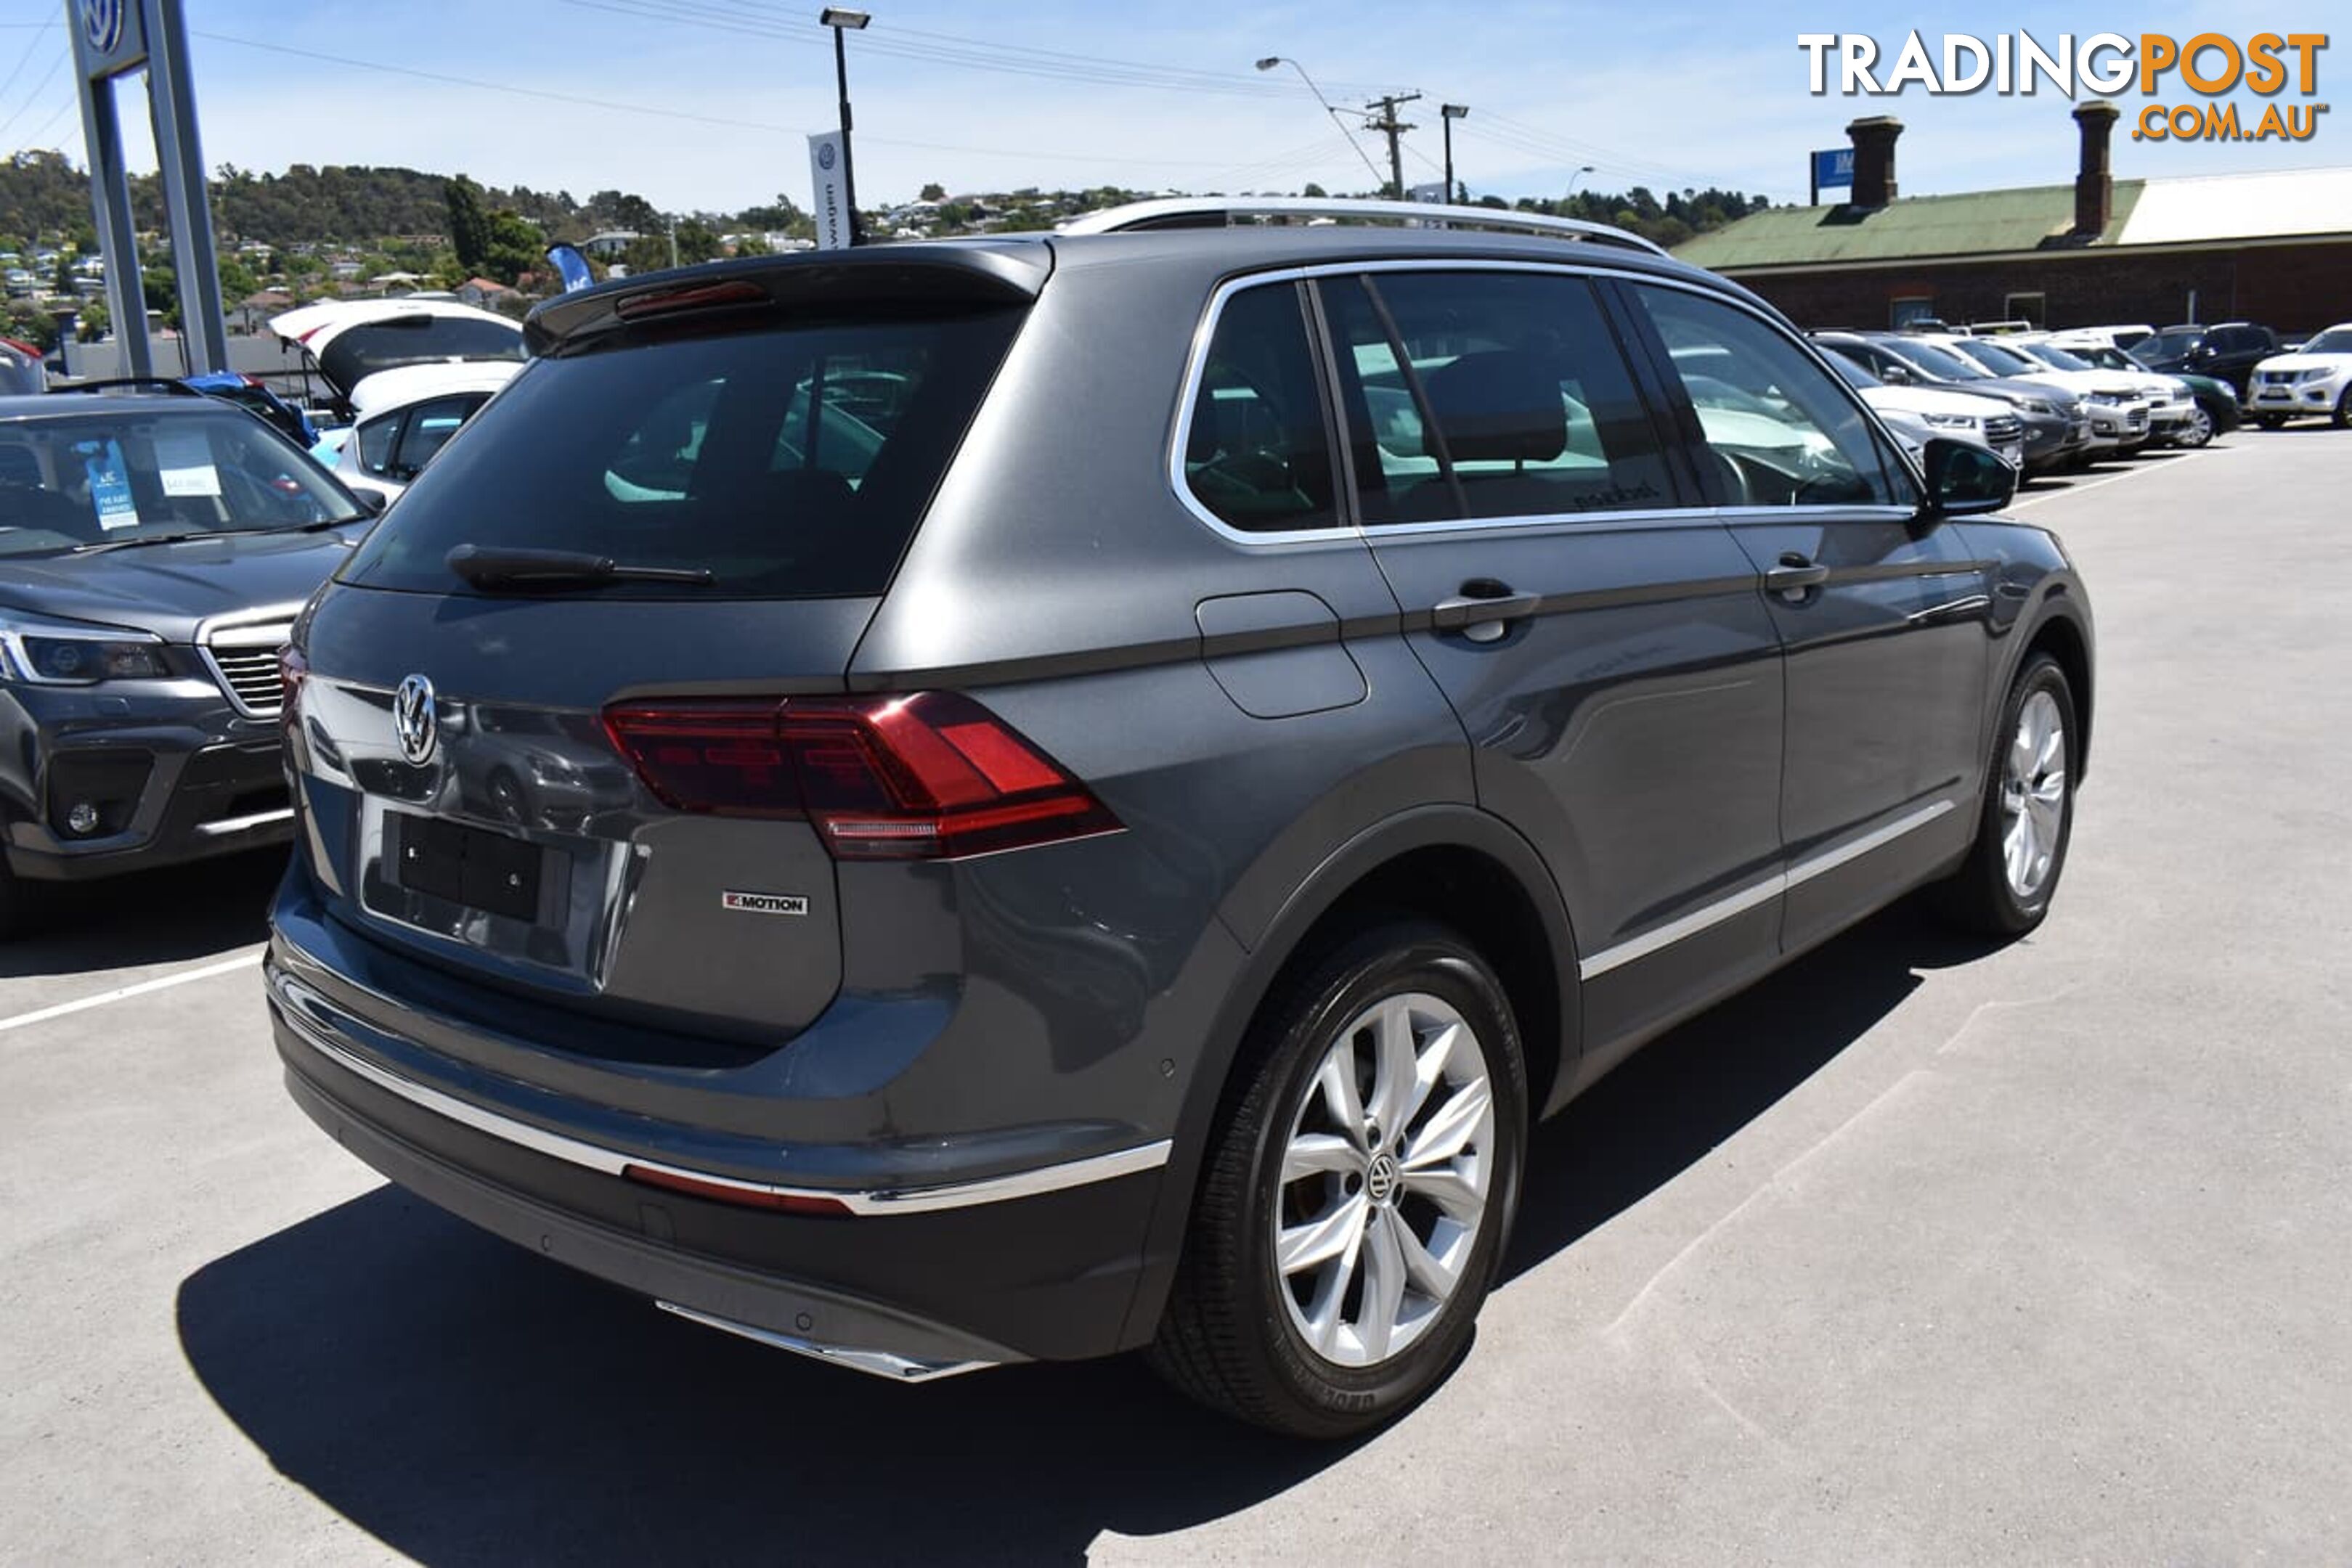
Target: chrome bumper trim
(875,1362)
(228,825)
(299,1006)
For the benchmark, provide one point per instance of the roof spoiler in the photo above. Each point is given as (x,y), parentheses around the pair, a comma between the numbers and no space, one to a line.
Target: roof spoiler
(953,271)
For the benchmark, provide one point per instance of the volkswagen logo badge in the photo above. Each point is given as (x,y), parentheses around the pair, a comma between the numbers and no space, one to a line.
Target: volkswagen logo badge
(415,720)
(101,24)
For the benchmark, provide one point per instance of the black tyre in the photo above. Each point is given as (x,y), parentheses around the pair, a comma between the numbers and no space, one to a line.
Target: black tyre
(1335,1266)
(2270,421)
(2028,817)
(2343,415)
(2200,430)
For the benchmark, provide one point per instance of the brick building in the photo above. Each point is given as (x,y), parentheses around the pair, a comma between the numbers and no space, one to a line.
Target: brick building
(2273,247)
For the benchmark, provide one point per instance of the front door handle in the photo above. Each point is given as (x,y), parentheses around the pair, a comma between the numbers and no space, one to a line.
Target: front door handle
(1482,616)
(1795,575)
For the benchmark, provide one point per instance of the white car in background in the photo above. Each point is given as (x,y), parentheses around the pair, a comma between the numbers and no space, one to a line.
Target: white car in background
(347,341)
(2171,404)
(402,417)
(2121,415)
(1916,412)
(2314,382)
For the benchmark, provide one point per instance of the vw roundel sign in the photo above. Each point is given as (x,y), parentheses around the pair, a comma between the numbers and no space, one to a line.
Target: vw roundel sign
(824,156)
(101,24)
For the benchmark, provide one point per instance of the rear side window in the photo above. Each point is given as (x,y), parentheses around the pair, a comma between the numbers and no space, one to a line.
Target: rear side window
(430,425)
(791,464)
(1256,450)
(1490,394)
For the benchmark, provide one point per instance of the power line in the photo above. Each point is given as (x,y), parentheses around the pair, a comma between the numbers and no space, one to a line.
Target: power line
(948,48)
(27,57)
(617,106)
(43,86)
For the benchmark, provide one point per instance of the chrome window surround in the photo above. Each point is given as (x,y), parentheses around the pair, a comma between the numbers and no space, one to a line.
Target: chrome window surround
(1757,892)
(267,626)
(1196,367)
(297,1001)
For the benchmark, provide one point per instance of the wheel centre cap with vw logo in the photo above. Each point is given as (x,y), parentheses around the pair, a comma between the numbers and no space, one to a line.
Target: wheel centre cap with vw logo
(1380,1177)
(415,720)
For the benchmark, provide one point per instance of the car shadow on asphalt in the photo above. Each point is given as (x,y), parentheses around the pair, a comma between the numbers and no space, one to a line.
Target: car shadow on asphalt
(463,1401)
(164,916)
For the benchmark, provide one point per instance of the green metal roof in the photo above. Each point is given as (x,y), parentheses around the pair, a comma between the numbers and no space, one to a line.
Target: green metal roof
(1975,223)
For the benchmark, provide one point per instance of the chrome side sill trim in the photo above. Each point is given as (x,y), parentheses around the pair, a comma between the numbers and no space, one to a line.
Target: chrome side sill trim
(228,825)
(1763,891)
(297,1001)
(877,1363)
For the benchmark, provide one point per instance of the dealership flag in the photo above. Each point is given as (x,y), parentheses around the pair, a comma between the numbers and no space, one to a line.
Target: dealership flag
(832,207)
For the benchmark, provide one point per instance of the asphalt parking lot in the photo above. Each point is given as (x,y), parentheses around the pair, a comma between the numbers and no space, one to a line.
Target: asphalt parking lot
(1916,1253)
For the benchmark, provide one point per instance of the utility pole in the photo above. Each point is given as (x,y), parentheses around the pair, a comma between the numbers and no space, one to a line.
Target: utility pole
(1386,122)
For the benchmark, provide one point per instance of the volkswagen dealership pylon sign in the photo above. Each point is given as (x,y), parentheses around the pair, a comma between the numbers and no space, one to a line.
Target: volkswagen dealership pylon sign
(112,38)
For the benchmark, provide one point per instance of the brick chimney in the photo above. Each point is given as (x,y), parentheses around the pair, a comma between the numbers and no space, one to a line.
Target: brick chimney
(1873,160)
(2095,184)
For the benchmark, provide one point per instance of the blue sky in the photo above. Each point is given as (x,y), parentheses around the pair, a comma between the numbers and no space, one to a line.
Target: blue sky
(1141,92)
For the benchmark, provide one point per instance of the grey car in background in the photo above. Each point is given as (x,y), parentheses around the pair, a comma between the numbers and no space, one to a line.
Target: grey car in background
(154,551)
(1112,845)
(2057,424)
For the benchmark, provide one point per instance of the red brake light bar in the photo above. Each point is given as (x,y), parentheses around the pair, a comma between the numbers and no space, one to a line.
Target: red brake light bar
(698,297)
(742,1194)
(931,776)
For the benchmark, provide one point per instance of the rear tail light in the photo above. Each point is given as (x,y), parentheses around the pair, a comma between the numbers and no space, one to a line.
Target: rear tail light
(933,775)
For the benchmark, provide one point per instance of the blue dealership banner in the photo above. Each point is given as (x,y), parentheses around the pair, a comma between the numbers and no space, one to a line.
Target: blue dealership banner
(1833,170)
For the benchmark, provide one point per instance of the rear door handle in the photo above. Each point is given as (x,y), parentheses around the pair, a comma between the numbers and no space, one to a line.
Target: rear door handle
(1794,575)
(1483,617)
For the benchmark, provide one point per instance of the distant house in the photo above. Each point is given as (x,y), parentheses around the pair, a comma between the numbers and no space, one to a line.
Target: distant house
(483,293)
(346,271)
(609,244)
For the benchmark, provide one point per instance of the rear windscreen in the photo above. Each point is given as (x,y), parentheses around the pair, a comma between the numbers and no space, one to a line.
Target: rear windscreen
(789,463)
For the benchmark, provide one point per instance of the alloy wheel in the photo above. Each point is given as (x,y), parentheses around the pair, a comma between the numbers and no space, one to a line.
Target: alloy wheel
(1384,1180)
(2033,795)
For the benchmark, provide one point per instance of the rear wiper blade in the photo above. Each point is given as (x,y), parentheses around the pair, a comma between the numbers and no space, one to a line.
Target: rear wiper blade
(496,568)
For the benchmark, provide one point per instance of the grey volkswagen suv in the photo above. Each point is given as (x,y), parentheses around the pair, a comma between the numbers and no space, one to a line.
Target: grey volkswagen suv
(960,803)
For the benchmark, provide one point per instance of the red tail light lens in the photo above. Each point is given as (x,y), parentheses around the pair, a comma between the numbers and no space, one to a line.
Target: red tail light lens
(933,775)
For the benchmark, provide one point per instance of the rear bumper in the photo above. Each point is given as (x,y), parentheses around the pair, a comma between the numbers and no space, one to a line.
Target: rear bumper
(910,1282)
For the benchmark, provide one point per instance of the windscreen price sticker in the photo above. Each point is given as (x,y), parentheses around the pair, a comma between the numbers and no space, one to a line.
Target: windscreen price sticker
(183,462)
(110,486)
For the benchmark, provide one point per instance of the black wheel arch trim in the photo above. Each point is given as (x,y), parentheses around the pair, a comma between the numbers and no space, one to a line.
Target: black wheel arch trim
(1434,827)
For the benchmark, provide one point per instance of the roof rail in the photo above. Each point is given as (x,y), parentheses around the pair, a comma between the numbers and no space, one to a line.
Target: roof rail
(1216,211)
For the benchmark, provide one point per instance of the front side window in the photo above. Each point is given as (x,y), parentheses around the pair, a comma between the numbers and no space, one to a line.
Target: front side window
(1779,431)
(1256,453)
(1490,394)
(375,440)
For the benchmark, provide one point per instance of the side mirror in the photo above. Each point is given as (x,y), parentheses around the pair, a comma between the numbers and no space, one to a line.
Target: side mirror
(1964,480)
(372,500)
(1895,375)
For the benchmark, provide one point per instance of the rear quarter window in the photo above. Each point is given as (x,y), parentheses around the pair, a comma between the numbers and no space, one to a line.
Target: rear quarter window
(790,463)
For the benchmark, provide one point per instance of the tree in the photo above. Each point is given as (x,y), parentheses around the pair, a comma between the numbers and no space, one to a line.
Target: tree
(697,241)
(513,247)
(469,229)
(934,192)
(1313,191)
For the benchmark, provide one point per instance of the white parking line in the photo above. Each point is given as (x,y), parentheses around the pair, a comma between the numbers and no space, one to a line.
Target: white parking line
(2132,473)
(123,993)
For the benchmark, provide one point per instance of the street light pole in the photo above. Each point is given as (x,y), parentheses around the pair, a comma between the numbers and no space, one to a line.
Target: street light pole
(1449,113)
(842,22)
(1582,170)
(1271,61)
